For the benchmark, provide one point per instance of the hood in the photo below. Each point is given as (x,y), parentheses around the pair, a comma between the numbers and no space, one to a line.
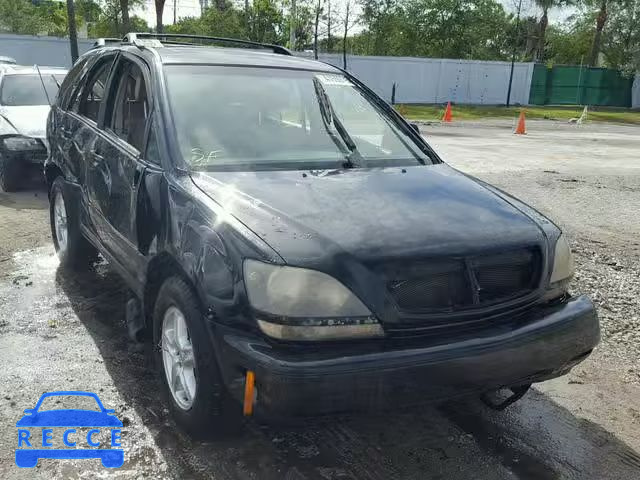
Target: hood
(370,214)
(30,121)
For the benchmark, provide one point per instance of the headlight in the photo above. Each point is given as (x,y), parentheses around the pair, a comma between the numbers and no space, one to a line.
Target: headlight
(303,304)
(22,143)
(563,266)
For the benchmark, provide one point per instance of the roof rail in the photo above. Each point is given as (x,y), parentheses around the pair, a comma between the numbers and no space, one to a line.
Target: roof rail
(135,39)
(101,42)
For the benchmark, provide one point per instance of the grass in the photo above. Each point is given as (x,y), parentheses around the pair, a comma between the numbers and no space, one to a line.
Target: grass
(476,112)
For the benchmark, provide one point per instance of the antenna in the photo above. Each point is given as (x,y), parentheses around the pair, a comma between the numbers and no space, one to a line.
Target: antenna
(42,82)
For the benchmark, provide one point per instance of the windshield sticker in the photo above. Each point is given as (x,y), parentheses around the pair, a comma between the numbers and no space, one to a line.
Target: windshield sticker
(199,156)
(333,79)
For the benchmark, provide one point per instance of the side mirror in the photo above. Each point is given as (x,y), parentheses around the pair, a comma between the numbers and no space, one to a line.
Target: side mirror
(415,127)
(29,411)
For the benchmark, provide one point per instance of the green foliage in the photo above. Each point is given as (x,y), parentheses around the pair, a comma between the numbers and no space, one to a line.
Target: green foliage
(106,18)
(479,29)
(263,22)
(22,17)
(621,36)
(467,29)
(569,45)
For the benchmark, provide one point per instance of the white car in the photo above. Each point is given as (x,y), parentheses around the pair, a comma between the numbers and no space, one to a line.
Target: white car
(25,98)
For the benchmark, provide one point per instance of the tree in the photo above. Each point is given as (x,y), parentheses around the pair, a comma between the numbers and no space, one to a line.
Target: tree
(329,20)
(317,13)
(21,17)
(159,12)
(603,7)
(621,39)
(546,5)
(348,22)
(124,11)
(265,22)
(569,44)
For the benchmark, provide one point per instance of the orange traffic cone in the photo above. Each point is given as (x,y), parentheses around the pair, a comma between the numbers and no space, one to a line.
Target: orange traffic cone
(520,129)
(447,113)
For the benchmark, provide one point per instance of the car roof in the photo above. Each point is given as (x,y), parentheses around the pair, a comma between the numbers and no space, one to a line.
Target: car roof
(210,55)
(236,56)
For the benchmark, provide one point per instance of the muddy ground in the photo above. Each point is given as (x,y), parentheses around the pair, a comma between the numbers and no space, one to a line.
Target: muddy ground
(59,331)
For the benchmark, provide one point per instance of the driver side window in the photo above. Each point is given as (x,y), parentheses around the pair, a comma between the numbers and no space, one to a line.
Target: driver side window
(88,102)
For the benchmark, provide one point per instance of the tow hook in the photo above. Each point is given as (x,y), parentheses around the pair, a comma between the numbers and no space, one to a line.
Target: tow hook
(516,394)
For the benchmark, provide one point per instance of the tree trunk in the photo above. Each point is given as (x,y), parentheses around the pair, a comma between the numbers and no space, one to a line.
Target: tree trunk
(315,31)
(597,38)
(124,10)
(159,12)
(328,25)
(344,37)
(544,21)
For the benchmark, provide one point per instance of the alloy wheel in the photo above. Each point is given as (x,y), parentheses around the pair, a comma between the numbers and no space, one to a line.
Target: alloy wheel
(178,359)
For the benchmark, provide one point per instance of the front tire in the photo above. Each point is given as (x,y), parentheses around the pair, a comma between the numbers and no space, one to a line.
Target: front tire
(9,175)
(187,365)
(73,249)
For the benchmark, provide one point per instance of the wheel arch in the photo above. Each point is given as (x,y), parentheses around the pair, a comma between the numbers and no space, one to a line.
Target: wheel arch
(51,172)
(161,267)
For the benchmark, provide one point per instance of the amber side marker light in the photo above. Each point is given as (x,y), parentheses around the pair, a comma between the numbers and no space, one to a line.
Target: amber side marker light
(249,391)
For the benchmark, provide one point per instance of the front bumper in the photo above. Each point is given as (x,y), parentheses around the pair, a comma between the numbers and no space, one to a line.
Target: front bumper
(325,378)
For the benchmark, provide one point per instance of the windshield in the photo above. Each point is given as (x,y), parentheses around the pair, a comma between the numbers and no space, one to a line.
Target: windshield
(23,90)
(258,118)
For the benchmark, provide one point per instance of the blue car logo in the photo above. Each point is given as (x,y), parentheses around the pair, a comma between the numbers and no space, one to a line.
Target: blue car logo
(28,456)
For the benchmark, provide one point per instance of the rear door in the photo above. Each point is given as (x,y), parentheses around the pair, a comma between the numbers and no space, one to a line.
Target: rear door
(79,126)
(118,168)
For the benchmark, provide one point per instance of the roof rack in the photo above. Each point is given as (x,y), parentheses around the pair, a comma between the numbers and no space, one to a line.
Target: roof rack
(101,42)
(138,39)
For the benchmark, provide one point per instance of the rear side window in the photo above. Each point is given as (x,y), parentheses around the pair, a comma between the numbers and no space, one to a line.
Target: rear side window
(130,109)
(88,103)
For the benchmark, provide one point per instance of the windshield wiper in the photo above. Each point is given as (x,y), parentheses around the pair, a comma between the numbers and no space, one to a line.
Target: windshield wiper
(329,117)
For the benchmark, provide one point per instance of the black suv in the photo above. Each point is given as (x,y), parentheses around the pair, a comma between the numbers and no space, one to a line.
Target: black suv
(295,245)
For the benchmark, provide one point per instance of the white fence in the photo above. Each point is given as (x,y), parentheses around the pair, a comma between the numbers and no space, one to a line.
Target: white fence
(31,50)
(418,80)
(432,80)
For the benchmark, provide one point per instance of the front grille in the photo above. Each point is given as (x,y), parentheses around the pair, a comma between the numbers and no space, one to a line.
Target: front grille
(438,285)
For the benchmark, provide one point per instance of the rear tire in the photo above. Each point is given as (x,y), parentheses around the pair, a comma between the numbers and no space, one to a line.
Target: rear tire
(73,249)
(9,174)
(198,400)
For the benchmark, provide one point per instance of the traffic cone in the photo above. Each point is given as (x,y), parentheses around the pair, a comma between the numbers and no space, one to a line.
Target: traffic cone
(447,114)
(520,129)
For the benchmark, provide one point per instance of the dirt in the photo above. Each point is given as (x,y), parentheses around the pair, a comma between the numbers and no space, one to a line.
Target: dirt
(62,331)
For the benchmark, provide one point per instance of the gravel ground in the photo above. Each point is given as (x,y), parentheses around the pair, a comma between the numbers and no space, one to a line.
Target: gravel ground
(67,332)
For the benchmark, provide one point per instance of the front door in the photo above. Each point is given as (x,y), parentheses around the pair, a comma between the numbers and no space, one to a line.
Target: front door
(116,156)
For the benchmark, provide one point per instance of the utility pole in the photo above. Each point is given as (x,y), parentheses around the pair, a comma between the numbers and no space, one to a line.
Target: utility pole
(175,11)
(513,53)
(292,26)
(73,32)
